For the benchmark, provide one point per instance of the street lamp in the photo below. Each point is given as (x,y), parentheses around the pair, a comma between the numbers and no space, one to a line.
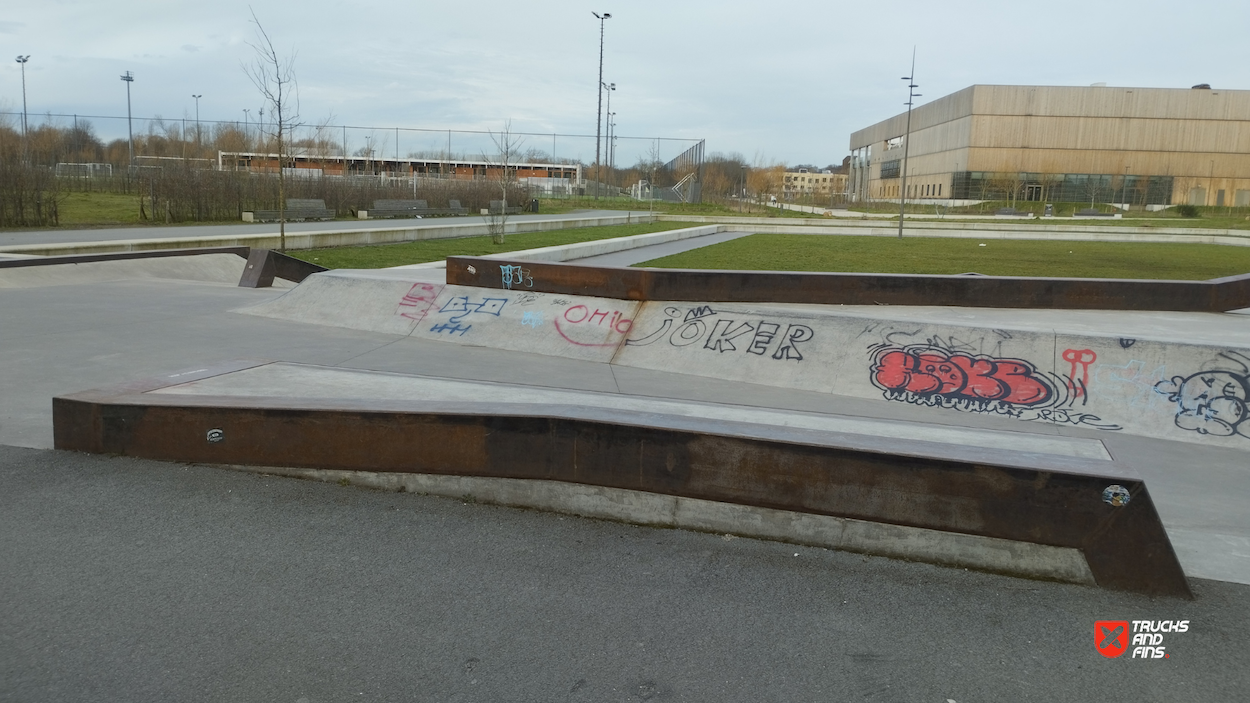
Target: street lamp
(130,130)
(612,144)
(599,110)
(197,120)
(911,96)
(610,87)
(25,143)
(743,195)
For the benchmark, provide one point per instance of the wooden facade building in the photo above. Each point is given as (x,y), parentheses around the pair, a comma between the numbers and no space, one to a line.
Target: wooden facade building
(1130,146)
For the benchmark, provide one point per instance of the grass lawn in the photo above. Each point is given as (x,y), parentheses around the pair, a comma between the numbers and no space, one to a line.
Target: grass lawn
(927,255)
(439,249)
(78,209)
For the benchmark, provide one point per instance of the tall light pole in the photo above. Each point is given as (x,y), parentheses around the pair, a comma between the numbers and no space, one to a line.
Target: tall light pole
(197,121)
(130,130)
(911,96)
(25,142)
(612,143)
(599,110)
(608,148)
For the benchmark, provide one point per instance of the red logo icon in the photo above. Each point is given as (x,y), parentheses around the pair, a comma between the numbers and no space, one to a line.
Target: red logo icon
(1111,637)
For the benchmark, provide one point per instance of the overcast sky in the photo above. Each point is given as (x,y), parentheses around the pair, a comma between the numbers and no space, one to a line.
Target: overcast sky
(784,81)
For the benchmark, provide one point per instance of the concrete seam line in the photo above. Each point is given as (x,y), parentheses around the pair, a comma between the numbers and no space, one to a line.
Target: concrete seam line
(651,509)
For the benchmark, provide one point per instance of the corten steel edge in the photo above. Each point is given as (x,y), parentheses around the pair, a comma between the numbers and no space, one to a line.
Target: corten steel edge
(263,265)
(1042,499)
(1216,295)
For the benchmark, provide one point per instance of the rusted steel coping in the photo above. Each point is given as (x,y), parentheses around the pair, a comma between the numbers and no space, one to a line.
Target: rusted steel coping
(120,255)
(1043,499)
(263,265)
(1217,295)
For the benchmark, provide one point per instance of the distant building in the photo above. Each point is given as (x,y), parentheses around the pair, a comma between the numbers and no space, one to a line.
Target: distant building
(315,166)
(1142,146)
(810,182)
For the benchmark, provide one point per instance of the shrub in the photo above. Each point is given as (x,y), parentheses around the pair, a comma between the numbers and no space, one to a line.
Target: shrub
(1187,210)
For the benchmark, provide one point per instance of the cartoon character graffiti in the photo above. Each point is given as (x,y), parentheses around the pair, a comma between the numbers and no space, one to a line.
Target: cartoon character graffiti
(1210,402)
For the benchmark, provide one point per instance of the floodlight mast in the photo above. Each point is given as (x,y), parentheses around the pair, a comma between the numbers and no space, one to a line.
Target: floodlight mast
(21,60)
(197,121)
(608,142)
(911,96)
(129,78)
(599,111)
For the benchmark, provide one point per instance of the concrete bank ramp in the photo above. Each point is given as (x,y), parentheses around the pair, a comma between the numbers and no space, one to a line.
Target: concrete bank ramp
(1188,380)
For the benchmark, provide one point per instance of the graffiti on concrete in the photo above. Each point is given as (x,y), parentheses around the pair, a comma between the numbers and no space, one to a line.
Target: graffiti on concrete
(417,301)
(990,343)
(532,318)
(580,325)
(515,276)
(934,371)
(1080,359)
(935,375)
(461,306)
(1131,385)
(715,331)
(1212,402)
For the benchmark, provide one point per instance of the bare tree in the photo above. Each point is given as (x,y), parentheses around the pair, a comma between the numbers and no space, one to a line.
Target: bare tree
(274,77)
(507,153)
(1049,181)
(1093,187)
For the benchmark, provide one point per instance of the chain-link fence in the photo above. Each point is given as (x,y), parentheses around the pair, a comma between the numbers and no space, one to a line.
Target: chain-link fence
(173,162)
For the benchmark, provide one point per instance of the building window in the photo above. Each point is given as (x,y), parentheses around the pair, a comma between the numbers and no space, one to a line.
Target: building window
(895,143)
(890,169)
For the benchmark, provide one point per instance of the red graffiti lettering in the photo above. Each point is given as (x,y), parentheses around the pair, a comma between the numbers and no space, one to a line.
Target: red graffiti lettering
(928,371)
(1082,358)
(578,314)
(584,313)
(418,300)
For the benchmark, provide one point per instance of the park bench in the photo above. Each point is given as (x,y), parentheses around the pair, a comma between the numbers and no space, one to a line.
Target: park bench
(1091,212)
(398,208)
(496,208)
(297,209)
(455,207)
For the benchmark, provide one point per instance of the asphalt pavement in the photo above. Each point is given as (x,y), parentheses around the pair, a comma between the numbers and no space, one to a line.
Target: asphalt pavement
(142,581)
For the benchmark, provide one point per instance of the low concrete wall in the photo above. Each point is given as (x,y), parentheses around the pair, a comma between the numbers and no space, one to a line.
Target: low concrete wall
(336,238)
(582,250)
(653,509)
